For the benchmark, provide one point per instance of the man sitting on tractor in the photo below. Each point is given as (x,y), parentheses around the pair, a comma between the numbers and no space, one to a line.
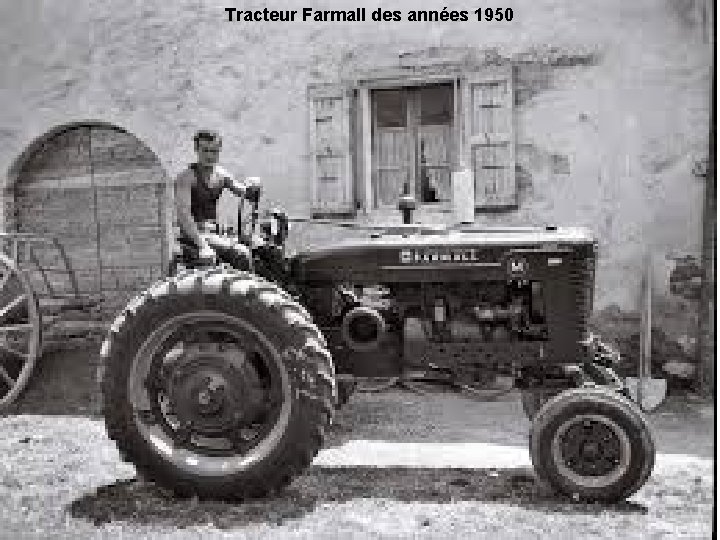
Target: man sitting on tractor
(197,192)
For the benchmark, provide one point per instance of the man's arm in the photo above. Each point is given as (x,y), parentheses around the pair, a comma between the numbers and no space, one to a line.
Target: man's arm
(182,209)
(238,187)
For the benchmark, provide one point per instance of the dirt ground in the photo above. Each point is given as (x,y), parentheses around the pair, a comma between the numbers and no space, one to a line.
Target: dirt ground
(396,465)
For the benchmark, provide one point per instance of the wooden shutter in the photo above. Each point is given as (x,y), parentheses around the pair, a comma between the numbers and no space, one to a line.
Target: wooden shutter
(490,136)
(331,164)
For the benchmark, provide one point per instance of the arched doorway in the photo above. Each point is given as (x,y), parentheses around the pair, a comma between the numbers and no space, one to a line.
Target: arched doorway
(103,193)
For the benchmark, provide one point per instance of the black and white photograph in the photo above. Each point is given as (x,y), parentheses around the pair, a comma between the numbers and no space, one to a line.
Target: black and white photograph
(332,269)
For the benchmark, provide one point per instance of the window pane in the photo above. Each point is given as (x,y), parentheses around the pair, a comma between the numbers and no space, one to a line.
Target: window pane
(436,104)
(434,163)
(391,108)
(435,185)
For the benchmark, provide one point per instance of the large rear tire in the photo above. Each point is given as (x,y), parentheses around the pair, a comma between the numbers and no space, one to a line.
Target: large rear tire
(592,444)
(217,384)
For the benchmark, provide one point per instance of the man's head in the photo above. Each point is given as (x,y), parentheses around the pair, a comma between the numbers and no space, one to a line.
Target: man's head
(207,147)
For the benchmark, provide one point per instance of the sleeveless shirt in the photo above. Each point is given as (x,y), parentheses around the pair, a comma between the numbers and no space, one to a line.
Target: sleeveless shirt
(203,199)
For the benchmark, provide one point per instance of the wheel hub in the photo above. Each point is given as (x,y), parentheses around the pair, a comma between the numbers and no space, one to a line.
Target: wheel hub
(591,448)
(210,393)
(210,397)
(214,388)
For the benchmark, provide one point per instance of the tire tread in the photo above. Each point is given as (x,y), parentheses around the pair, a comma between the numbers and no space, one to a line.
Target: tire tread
(241,290)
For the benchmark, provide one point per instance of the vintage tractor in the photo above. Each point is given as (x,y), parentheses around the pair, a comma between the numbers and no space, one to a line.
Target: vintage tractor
(221,383)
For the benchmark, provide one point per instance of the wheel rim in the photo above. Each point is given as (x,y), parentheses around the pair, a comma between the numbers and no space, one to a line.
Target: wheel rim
(591,450)
(210,393)
(20,331)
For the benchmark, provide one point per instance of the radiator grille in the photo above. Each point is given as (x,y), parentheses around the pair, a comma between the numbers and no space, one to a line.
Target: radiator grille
(582,280)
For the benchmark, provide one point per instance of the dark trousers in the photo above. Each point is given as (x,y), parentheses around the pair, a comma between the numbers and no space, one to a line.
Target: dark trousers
(229,251)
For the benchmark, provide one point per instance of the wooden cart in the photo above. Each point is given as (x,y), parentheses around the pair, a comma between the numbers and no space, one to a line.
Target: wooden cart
(33,311)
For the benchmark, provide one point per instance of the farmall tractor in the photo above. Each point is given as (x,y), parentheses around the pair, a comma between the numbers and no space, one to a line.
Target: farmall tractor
(221,383)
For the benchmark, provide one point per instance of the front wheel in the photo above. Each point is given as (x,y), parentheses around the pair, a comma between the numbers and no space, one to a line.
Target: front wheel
(217,384)
(592,444)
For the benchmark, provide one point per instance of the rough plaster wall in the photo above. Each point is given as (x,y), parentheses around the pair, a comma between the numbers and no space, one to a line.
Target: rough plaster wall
(628,128)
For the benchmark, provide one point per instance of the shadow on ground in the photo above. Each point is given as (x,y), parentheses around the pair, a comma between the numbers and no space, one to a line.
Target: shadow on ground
(64,384)
(146,504)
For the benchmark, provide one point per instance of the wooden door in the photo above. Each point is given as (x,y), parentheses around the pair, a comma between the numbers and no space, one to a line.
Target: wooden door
(55,196)
(103,194)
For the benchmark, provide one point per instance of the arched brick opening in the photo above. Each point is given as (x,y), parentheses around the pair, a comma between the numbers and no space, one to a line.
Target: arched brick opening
(103,193)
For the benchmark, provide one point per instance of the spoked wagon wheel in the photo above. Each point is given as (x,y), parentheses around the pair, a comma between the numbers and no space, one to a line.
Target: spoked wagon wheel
(217,384)
(20,331)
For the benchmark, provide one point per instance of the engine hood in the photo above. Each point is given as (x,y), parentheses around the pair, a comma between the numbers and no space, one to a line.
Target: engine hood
(402,252)
(414,236)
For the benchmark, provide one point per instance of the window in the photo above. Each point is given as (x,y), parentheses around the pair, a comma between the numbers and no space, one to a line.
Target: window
(387,136)
(412,143)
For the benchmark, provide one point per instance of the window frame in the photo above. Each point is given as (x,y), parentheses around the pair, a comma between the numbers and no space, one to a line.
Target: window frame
(364,142)
(413,126)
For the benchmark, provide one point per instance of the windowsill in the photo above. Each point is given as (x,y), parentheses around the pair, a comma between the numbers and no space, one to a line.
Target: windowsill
(333,215)
(425,210)
(431,208)
(435,208)
(496,209)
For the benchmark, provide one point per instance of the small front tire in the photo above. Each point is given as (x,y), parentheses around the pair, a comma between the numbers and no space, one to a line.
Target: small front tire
(592,444)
